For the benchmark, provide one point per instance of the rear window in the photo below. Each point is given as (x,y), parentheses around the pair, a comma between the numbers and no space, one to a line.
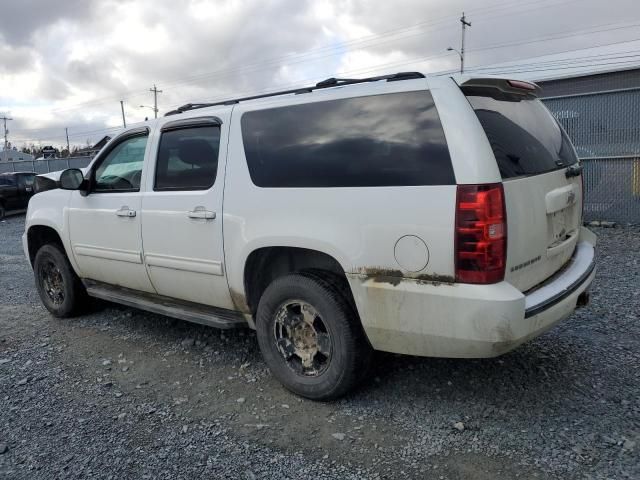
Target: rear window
(26,180)
(524,136)
(383,140)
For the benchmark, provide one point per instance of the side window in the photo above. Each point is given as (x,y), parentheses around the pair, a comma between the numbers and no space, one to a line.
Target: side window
(393,139)
(121,169)
(10,181)
(188,159)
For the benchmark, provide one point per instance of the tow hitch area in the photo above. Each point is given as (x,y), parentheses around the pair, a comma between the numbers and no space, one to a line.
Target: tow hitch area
(583,300)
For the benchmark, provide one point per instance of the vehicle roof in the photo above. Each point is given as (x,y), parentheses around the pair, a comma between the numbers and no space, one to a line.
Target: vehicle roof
(338,91)
(302,95)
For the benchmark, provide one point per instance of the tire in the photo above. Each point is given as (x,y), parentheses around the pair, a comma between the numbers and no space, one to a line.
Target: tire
(60,289)
(342,352)
(3,212)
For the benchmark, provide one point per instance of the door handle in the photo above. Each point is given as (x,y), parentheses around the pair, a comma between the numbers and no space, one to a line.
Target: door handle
(200,212)
(125,212)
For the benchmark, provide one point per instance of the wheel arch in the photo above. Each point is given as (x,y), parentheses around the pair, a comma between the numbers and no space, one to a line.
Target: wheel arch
(39,235)
(264,264)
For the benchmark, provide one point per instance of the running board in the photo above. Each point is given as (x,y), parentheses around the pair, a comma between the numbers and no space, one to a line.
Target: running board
(191,312)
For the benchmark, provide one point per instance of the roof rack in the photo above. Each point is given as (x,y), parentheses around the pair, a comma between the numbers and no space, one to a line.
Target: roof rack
(328,83)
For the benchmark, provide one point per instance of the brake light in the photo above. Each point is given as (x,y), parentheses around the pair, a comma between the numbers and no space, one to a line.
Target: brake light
(481,234)
(522,85)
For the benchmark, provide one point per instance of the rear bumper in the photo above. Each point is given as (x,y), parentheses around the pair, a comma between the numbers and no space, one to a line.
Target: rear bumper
(581,268)
(468,321)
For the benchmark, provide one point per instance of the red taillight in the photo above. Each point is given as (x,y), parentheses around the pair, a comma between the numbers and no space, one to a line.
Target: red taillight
(481,234)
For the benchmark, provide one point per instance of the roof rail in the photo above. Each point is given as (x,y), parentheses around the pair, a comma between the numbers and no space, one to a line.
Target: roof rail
(328,83)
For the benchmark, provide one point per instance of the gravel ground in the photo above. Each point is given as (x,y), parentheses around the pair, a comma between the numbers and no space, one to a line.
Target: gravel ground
(120,393)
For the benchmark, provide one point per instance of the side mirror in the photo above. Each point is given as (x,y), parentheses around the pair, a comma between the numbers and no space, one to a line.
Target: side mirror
(71,179)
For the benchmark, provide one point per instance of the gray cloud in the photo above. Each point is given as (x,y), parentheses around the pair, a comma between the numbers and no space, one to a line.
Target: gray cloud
(231,53)
(14,60)
(53,87)
(20,20)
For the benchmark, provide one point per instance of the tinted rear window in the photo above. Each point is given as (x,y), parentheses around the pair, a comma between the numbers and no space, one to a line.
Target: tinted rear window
(383,140)
(188,159)
(524,136)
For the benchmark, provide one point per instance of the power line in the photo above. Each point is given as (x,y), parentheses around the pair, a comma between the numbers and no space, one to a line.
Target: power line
(5,119)
(124,122)
(536,40)
(561,61)
(569,67)
(360,71)
(465,24)
(485,11)
(155,99)
(614,26)
(224,72)
(495,46)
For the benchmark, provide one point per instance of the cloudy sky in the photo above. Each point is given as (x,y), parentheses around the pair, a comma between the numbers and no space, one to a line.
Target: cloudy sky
(68,63)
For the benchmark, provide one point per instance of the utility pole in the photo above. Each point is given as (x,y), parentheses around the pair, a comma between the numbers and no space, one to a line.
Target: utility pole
(155,99)
(66,130)
(465,24)
(124,122)
(6,132)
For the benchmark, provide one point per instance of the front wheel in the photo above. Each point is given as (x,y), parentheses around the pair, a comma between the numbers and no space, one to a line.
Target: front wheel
(60,289)
(311,337)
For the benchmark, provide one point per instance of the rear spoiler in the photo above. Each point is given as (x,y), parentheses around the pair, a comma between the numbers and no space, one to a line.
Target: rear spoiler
(501,89)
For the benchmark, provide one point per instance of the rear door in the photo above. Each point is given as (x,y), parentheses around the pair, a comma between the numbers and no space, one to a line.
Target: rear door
(182,211)
(25,188)
(9,186)
(542,184)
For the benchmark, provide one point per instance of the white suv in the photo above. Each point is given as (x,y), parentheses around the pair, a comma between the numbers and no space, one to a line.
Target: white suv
(425,216)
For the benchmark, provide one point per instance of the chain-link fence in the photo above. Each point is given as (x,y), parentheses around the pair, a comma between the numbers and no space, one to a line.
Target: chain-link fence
(601,114)
(45,166)
(612,189)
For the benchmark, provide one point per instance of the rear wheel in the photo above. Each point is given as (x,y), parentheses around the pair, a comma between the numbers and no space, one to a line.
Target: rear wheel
(311,337)
(60,289)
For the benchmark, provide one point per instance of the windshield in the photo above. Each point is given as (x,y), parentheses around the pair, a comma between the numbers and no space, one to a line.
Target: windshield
(524,136)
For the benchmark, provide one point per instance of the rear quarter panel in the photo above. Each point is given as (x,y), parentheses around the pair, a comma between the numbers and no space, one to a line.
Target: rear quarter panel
(471,153)
(359,227)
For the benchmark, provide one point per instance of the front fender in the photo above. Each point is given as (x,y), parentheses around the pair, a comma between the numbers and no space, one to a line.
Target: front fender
(50,209)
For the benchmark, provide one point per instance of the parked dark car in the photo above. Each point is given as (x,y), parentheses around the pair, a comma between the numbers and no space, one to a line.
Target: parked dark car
(16,188)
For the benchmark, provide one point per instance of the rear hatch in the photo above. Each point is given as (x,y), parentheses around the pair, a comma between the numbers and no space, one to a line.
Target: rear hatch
(541,178)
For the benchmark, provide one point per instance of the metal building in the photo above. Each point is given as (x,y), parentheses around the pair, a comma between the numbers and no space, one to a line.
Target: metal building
(601,113)
(14,156)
